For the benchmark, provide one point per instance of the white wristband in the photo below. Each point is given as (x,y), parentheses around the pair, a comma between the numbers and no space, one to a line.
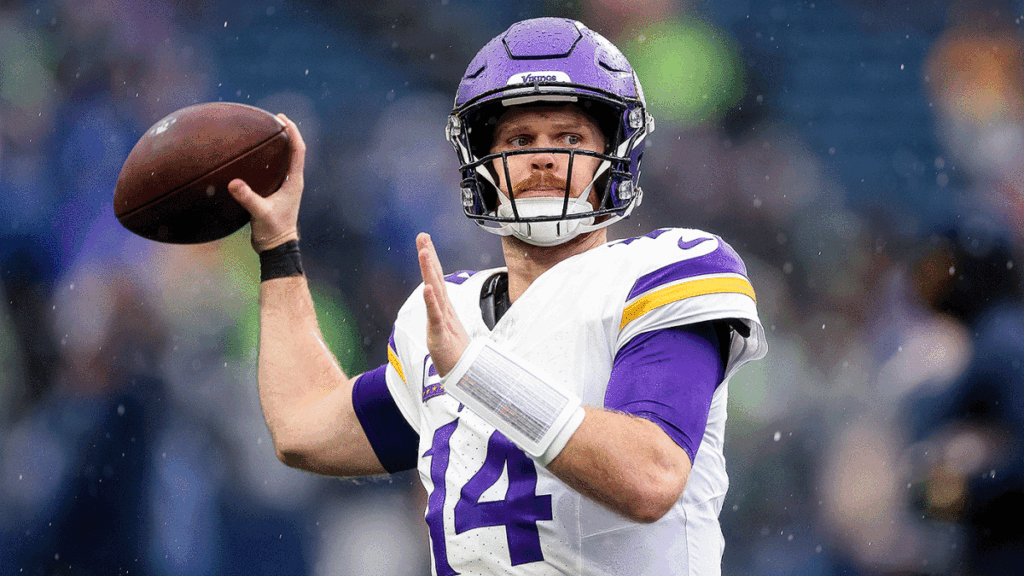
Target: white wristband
(515,398)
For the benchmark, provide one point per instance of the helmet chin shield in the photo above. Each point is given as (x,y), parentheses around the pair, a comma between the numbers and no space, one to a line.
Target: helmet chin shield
(532,229)
(550,61)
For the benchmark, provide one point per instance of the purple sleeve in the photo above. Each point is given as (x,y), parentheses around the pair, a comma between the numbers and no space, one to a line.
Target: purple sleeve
(668,377)
(394,442)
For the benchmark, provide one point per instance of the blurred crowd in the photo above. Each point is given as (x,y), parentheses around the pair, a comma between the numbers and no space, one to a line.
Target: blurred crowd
(865,158)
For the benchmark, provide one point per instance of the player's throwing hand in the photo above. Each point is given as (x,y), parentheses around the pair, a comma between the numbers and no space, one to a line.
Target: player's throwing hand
(446,337)
(275,218)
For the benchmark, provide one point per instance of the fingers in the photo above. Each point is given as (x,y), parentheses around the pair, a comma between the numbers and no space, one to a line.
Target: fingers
(435,294)
(435,315)
(298,145)
(429,267)
(433,289)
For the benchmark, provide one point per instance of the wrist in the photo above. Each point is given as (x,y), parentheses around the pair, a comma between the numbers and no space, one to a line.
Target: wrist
(264,244)
(281,261)
(515,398)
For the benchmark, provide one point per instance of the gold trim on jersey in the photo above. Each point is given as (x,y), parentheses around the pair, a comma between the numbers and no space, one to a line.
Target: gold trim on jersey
(699,287)
(395,363)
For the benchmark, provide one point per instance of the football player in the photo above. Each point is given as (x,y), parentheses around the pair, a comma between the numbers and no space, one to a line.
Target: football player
(565,412)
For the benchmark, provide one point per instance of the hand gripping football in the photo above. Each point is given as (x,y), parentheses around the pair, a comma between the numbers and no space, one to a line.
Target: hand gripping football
(174,185)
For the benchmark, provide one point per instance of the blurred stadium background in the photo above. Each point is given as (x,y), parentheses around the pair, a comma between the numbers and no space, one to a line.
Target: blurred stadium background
(864,156)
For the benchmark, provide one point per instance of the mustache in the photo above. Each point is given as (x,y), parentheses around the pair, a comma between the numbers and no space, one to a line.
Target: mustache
(539,180)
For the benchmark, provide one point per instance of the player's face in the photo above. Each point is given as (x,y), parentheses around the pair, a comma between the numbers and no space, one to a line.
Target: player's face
(545,173)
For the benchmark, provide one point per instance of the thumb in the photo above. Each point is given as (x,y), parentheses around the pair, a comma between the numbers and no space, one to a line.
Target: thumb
(251,201)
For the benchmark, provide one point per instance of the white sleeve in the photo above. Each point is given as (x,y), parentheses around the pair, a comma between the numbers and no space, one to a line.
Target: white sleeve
(405,362)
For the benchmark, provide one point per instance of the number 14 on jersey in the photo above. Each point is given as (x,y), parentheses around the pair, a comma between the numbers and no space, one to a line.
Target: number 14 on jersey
(519,512)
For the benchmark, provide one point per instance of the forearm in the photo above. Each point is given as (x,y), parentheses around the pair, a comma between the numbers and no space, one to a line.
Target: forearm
(624,462)
(304,392)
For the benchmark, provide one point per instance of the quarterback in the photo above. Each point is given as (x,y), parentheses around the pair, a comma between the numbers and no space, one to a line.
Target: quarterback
(565,412)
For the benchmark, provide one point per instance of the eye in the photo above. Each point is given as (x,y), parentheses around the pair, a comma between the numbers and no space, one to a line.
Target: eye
(518,141)
(573,139)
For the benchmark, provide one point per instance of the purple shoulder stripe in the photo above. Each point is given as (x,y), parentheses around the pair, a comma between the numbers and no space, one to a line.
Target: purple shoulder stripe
(459,277)
(391,340)
(723,260)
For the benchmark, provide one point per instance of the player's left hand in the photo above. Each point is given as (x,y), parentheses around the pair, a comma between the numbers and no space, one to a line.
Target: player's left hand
(446,337)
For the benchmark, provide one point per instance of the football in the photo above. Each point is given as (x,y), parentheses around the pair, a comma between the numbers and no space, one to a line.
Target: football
(173,186)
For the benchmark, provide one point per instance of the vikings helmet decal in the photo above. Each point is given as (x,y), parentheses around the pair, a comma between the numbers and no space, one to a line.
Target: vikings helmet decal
(550,61)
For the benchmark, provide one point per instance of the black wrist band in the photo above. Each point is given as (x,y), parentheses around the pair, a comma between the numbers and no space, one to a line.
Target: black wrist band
(281,261)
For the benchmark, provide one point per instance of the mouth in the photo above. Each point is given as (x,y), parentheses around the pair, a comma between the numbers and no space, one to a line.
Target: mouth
(539,191)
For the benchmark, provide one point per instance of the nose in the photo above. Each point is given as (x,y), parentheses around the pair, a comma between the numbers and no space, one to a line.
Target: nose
(542,161)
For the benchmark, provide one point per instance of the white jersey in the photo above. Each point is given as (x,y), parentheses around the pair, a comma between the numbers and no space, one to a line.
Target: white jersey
(493,510)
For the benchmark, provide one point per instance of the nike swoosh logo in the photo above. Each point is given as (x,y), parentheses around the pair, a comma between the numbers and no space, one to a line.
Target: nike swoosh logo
(691,243)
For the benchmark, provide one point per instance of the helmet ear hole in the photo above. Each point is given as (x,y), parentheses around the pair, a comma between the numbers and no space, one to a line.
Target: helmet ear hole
(480,129)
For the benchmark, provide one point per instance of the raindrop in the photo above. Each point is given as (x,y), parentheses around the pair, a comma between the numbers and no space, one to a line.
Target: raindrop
(952,270)
(778,435)
(120,409)
(901,66)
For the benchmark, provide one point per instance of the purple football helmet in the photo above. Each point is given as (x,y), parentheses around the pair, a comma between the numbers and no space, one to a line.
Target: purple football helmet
(556,61)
